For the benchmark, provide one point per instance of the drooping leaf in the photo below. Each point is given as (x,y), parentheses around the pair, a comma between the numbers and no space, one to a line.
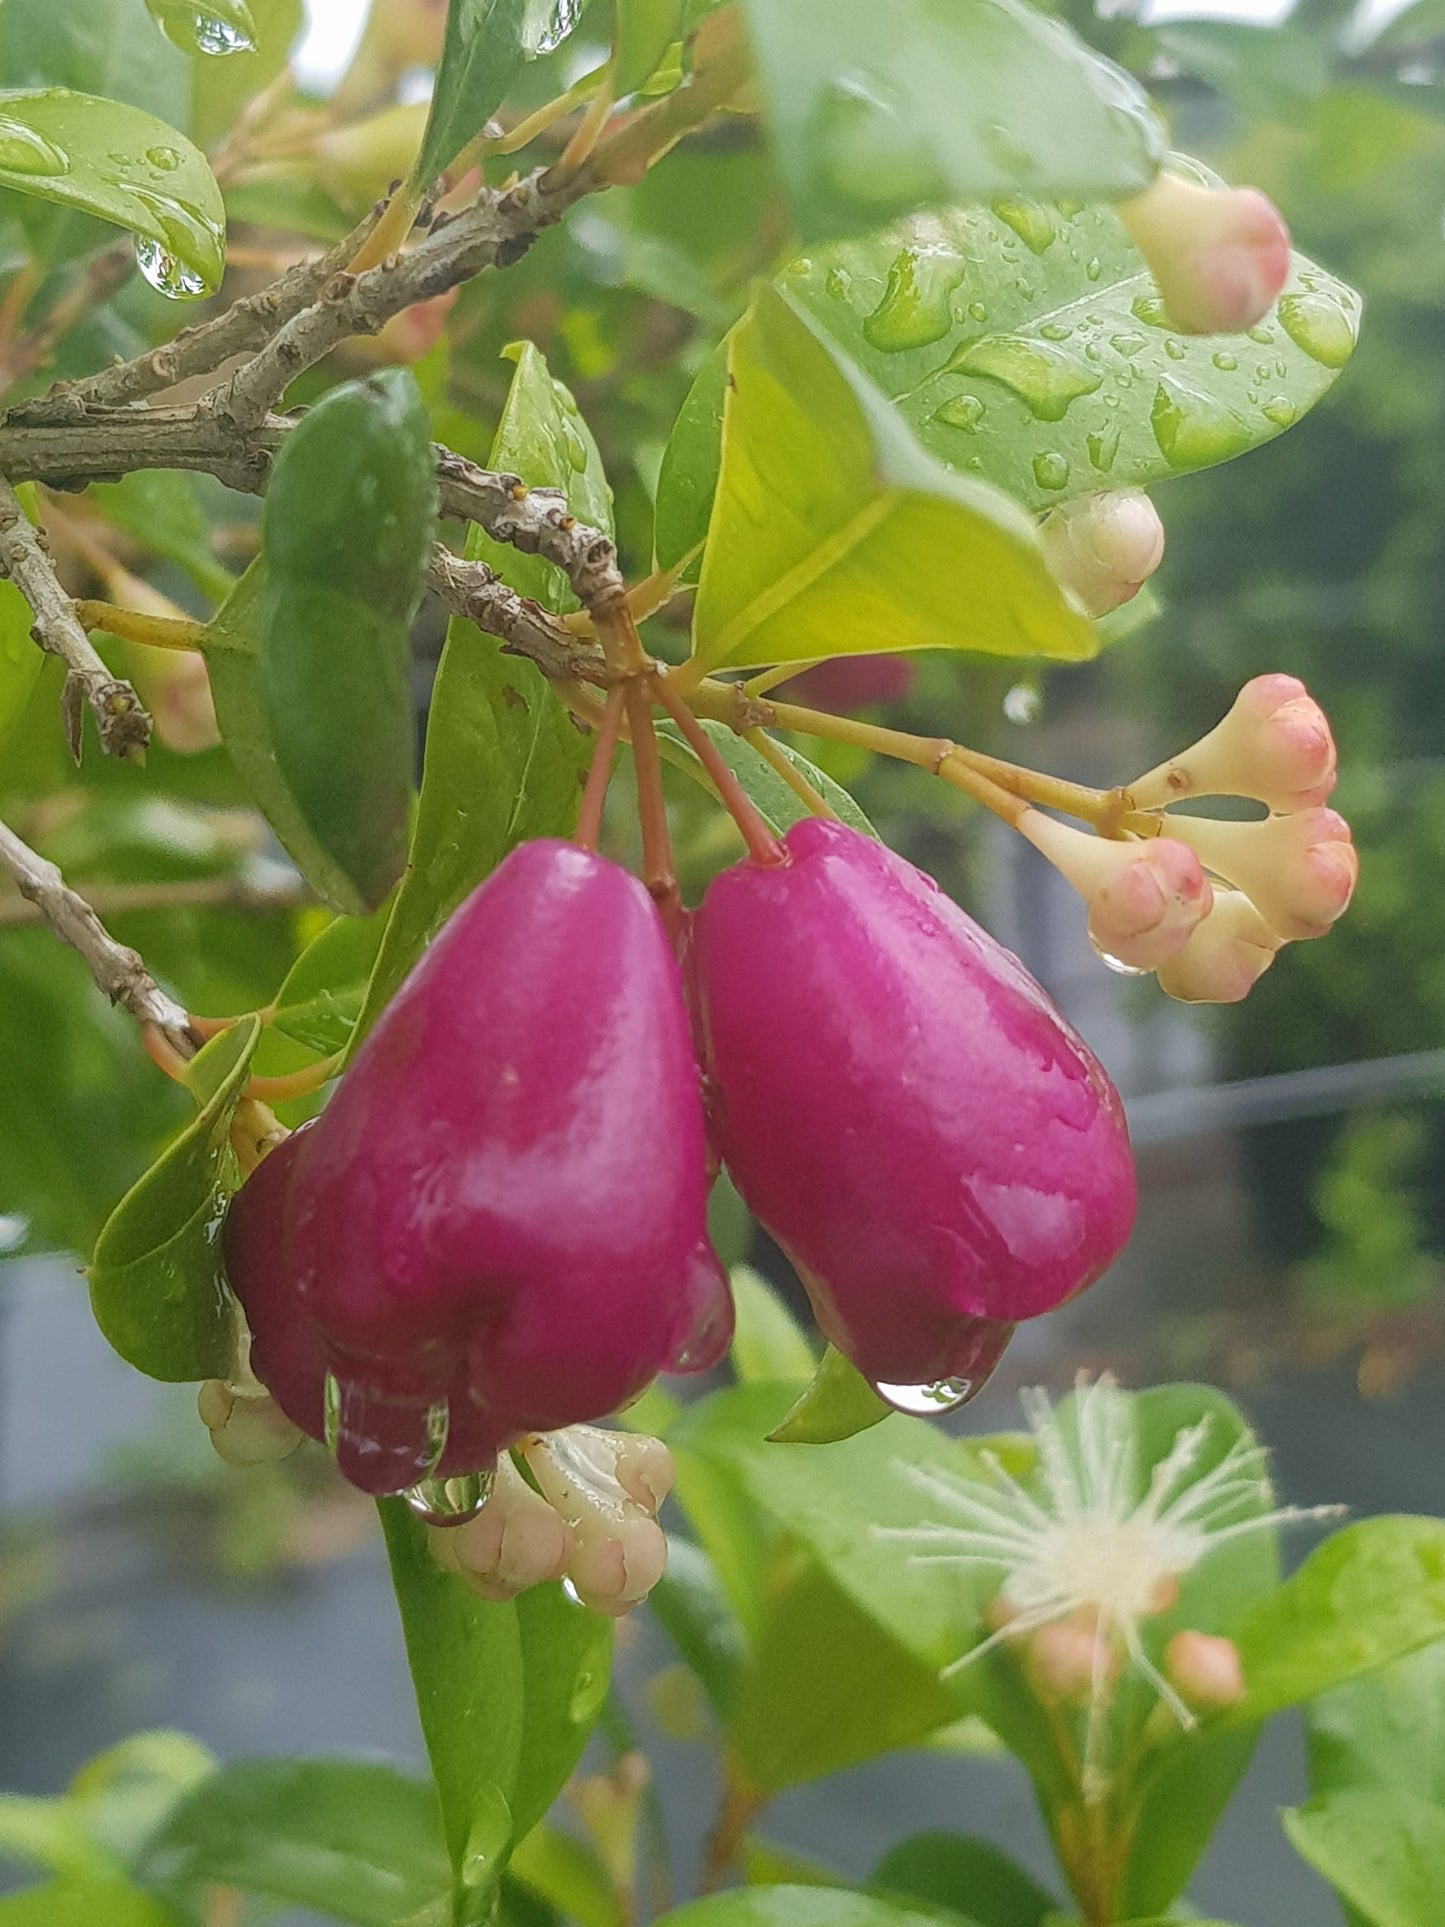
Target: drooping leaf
(348,528)
(357,1840)
(124,166)
(838,1402)
(323,992)
(949,1868)
(835,533)
(1028,347)
(776,801)
(876,110)
(157,1286)
(504,760)
(1381,1849)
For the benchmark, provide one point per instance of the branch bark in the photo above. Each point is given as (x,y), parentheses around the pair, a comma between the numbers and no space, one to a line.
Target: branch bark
(123,723)
(114,967)
(227,893)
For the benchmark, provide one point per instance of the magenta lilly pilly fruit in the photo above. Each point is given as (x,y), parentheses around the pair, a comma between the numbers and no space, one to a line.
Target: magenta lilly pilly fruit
(902,1107)
(497,1225)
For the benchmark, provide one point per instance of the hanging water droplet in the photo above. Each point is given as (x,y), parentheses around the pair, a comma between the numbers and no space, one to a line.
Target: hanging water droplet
(837,283)
(1320,326)
(1021,704)
(1149,308)
(165,273)
(22,151)
(165,158)
(1103,447)
(225,27)
(1224,361)
(1051,471)
(1279,409)
(450,1502)
(1116,964)
(382,1444)
(1031,221)
(926,1401)
(547,24)
(1046,378)
(572,1593)
(1195,430)
(962,411)
(705,1291)
(914,310)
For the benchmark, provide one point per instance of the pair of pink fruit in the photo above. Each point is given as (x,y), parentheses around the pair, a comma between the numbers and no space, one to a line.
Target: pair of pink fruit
(498,1224)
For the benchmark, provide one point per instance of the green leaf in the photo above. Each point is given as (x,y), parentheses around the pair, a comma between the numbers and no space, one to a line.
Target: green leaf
(1386,1728)
(838,1403)
(566,1670)
(160,508)
(1382,1850)
(221,88)
(804,1907)
(569,1874)
(768,1342)
(321,998)
(20,659)
(875,110)
(642,33)
(487,44)
(1028,347)
(1369,1595)
(356,1840)
(693,1610)
(348,528)
(687,479)
(218,28)
(83,1903)
(157,1285)
(125,166)
(776,801)
(835,533)
(504,760)
(947,1868)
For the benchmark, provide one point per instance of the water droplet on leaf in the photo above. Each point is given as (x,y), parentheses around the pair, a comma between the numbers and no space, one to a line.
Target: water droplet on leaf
(1103,447)
(22,151)
(962,411)
(1195,430)
(1031,221)
(837,283)
(1046,378)
(198,30)
(1318,325)
(1279,409)
(1224,361)
(1051,471)
(165,273)
(914,310)
(165,158)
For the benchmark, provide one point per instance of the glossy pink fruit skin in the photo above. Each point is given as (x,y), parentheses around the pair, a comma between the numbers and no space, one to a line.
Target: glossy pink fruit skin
(901,1105)
(849,683)
(504,1202)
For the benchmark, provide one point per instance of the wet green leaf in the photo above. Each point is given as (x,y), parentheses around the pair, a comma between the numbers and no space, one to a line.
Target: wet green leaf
(1029,348)
(487,44)
(124,166)
(566,1670)
(218,28)
(875,110)
(324,990)
(837,1403)
(836,533)
(504,760)
(687,480)
(356,1840)
(160,508)
(945,1868)
(569,1875)
(642,34)
(805,1907)
(693,1610)
(157,1285)
(768,1342)
(776,801)
(1382,1850)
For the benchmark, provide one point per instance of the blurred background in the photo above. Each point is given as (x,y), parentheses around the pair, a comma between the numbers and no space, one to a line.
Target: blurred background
(1291,1246)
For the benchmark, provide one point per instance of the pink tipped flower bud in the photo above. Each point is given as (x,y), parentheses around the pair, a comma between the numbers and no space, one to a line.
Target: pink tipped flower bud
(608,1487)
(850,683)
(1103,547)
(1144,898)
(1226,956)
(1205,1671)
(246,1427)
(1067,1662)
(1219,254)
(1299,871)
(516,1541)
(497,1225)
(902,1107)
(1274,745)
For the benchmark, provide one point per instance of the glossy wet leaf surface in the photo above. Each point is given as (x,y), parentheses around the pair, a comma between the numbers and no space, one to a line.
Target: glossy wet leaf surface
(323,993)
(157,1284)
(834,532)
(874,109)
(487,44)
(1029,347)
(838,1402)
(125,166)
(776,801)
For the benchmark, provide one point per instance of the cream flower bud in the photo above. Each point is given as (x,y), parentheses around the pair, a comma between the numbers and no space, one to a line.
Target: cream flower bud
(246,1427)
(1144,898)
(514,1542)
(608,1486)
(1205,1671)
(1067,1663)
(1299,871)
(1274,745)
(1220,255)
(1226,956)
(1103,546)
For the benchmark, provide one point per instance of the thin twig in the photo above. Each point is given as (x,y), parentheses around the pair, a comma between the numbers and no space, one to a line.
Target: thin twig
(115,968)
(227,893)
(473,590)
(120,718)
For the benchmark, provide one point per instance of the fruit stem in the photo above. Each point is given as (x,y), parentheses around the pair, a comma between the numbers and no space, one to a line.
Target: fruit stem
(277,1090)
(763,846)
(591,125)
(657,870)
(163,1053)
(390,232)
(599,773)
(131,625)
(812,799)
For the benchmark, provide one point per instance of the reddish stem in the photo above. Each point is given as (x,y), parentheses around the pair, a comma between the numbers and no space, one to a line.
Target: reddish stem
(599,774)
(763,846)
(657,870)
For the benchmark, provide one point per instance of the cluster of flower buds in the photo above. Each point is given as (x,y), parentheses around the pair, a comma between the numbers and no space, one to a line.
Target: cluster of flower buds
(1103,547)
(1204,901)
(1220,255)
